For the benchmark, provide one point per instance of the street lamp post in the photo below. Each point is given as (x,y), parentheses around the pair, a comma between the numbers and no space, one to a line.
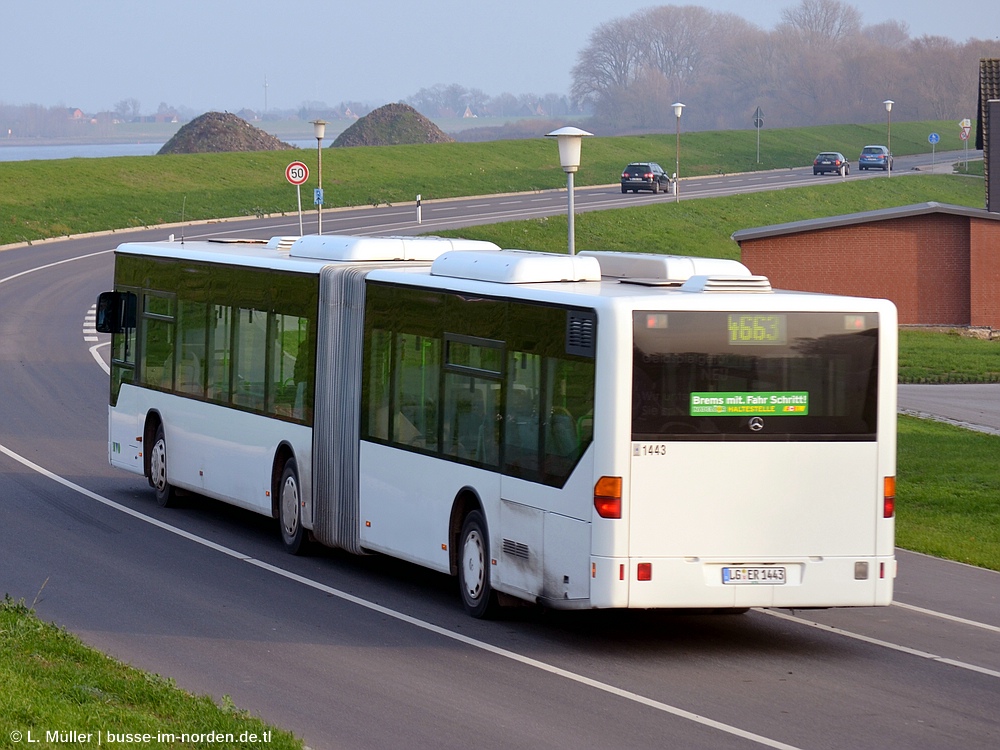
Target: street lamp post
(678,108)
(888,135)
(319,130)
(570,141)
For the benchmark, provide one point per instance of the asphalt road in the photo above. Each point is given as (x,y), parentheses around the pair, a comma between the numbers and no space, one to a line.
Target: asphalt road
(369,652)
(975,406)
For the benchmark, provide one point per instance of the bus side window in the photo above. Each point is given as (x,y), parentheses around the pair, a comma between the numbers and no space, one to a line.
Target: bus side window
(251,338)
(417,372)
(219,353)
(191,347)
(158,331)
(290,376)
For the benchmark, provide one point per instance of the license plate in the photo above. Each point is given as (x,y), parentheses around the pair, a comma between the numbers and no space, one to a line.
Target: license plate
(751,576)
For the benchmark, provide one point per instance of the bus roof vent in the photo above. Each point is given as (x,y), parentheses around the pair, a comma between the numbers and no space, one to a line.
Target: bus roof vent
(281,244)
(516,267)
(347,248)
(655,270)
(580,329)
(727,284)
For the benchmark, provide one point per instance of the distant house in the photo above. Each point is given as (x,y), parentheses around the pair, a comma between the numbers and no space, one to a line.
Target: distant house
(469,113)
(75,114)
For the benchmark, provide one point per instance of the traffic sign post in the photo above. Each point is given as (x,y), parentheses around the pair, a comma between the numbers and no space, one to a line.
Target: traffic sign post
(966,126)
(758,123)
(933,139)
(297,173)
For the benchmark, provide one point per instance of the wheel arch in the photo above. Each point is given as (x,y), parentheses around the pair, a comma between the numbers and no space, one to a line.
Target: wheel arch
(466,501)
(282,454)
(153,421)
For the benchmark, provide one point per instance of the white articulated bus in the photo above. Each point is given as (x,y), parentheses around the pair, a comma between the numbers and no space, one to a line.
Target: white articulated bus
(604,430)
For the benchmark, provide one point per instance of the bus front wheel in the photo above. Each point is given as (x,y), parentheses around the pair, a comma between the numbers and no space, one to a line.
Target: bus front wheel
(165,495)
(293,534)
(478,596)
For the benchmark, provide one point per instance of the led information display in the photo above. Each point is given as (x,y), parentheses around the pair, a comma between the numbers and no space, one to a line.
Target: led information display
(761,403)
(748,329)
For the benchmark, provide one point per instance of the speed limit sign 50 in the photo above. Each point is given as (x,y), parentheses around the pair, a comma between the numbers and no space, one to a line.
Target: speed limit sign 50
(297,173)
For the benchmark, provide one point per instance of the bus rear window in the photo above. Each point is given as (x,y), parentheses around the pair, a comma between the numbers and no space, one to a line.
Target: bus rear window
(754,376)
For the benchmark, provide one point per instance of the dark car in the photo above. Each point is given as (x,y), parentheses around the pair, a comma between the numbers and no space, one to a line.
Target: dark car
(646,175)
(831,161)
(875,157)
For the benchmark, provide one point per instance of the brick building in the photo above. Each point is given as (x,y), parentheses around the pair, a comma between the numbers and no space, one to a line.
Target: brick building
(940,264)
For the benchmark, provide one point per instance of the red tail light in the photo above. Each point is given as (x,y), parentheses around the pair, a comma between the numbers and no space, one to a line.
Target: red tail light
(889,498)
(608,497)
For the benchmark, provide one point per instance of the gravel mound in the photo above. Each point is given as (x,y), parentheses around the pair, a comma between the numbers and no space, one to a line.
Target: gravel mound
(392,125)
(217,131)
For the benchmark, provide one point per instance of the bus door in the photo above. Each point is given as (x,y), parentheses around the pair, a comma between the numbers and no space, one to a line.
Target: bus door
(547,428)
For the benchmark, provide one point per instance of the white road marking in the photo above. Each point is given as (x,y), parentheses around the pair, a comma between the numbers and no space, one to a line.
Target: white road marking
(884,644)
(402,617)
(945,616)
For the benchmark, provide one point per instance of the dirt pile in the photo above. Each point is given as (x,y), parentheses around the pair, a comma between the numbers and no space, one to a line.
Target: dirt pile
(217,132)
(392,125)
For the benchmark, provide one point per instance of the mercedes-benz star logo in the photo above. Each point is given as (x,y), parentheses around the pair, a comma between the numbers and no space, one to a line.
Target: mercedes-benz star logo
(756,424)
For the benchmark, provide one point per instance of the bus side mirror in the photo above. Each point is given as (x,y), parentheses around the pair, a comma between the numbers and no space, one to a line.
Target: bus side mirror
(115,312)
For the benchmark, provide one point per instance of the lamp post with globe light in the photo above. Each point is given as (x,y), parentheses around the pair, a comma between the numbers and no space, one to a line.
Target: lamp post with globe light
(570,142)
(888,135)
(678,108)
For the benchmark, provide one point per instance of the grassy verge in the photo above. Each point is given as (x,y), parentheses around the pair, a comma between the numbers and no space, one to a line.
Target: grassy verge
(946,492)
(54,683)
(934,357)
(704,227)
(55,198)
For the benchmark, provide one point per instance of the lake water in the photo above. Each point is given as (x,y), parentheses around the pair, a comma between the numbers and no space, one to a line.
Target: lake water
(96,150)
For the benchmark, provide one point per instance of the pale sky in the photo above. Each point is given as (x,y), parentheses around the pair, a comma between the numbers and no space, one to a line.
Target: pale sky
(216,54)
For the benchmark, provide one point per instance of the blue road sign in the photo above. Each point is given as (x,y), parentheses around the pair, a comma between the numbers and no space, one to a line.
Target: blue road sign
(933,138)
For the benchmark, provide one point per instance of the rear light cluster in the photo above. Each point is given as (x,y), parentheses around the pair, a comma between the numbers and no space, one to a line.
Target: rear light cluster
(889,497)
(608,497)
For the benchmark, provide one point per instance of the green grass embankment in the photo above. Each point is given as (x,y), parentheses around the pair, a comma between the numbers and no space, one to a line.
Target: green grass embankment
(40,199)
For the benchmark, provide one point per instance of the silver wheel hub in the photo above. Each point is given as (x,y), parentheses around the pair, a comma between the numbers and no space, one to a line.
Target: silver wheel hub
(290,506)
(158,465)
(474,564)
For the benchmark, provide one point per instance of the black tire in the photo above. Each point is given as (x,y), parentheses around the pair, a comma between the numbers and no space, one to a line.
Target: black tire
(656,187)
(624,189)
(166,497)
(294,535)
(478,596)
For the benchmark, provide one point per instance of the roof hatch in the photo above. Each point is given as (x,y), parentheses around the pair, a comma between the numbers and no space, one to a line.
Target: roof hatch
(727,284)
(662,270)
(349,248)
(516,267)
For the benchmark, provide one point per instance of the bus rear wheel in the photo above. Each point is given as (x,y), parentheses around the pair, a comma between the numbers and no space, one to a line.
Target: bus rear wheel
(478,596)
(166,497)
(293,534)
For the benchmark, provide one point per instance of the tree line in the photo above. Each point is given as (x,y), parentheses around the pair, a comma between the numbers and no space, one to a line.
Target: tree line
(819,65)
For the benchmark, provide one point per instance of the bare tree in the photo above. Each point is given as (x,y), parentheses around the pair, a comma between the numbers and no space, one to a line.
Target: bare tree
(823,20)
(610,61)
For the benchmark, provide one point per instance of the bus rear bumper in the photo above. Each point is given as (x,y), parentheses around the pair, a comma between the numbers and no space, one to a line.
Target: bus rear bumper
(654,583)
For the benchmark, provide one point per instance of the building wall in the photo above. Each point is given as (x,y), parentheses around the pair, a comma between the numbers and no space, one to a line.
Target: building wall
(924,264)
(984,266)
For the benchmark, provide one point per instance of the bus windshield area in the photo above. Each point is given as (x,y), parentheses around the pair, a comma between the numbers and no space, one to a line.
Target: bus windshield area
(754,376)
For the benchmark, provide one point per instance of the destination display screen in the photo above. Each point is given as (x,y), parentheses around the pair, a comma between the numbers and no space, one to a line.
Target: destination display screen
(752,329)
(748,375)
